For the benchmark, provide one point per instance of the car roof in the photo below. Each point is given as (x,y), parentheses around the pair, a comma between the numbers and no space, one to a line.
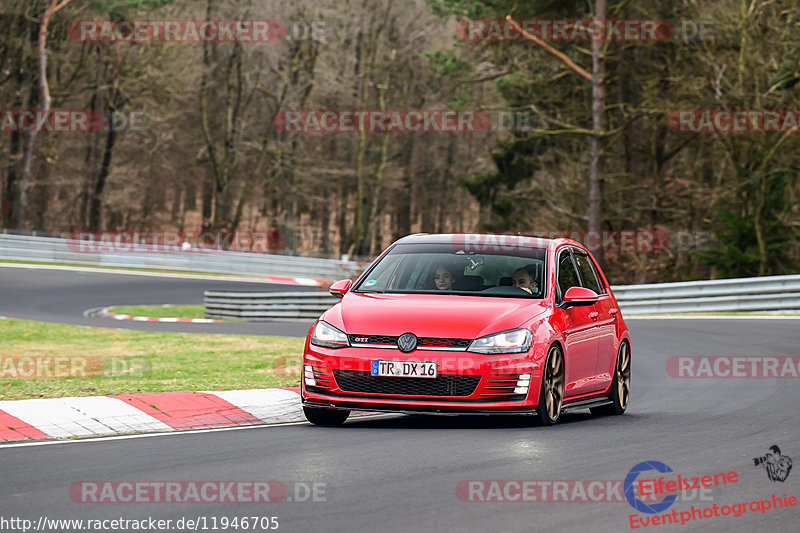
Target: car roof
(484,240)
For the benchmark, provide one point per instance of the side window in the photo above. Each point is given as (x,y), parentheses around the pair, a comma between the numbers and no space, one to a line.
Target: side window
(588,275)
(567,277)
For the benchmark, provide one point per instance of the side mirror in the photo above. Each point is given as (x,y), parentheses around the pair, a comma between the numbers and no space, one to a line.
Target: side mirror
(340,287)
(579,297)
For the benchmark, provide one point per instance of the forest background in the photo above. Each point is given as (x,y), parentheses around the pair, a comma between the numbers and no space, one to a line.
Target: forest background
(581,137)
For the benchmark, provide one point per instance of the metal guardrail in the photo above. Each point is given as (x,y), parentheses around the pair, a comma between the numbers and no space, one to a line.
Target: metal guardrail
(773,293)
(768,293)
(262,306)
(54,250)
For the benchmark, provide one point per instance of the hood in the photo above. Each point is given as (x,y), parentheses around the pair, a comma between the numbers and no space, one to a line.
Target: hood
(430,315)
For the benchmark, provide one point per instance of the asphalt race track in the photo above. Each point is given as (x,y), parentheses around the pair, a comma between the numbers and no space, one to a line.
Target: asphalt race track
(401,473)
(62,296)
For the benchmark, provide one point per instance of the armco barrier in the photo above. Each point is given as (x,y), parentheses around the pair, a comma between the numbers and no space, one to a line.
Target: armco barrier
(773,293)
(768,293)
(259,306)
(53,250)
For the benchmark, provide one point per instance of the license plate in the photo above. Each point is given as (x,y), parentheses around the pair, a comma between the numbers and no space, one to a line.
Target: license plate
(403,369)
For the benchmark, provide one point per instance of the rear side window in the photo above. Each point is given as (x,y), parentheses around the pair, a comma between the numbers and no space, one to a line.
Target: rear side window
(567,277)
(589,277)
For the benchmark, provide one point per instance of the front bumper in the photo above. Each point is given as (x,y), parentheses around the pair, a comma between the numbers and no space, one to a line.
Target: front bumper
(467,383)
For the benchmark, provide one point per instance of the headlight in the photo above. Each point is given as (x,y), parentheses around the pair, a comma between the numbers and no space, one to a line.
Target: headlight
(328,336)
(513,341)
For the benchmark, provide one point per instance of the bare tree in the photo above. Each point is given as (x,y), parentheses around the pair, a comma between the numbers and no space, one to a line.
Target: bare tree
(45,99)
(598,102)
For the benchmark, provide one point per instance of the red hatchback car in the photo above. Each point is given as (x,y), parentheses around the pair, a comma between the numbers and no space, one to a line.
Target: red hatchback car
(470,324)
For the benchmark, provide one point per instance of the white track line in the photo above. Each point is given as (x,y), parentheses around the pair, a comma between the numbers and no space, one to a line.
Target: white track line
(178,433)
(145,435)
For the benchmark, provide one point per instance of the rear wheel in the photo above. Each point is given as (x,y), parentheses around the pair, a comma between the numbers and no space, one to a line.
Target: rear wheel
(325,417)
(552,390)
(620,384)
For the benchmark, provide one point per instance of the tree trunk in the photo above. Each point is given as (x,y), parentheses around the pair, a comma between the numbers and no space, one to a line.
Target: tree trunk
(44,90)
(598,102)
(402,201)
(375,239)
(96,205)
(96,212)
(95,140)
(207,200)
(10,192)
(359,224)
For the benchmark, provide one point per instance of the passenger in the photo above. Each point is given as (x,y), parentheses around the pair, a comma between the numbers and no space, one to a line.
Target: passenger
(523,278)
(443,279)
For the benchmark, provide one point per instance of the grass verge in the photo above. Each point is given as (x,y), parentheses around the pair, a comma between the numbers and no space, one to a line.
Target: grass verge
(41,360)
(160,311)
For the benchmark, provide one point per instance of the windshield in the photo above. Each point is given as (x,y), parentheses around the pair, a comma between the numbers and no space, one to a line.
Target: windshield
(446,269)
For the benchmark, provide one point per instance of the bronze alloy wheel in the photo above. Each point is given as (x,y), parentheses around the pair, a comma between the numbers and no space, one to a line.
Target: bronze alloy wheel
(552,393)
(624,375)
(620,385)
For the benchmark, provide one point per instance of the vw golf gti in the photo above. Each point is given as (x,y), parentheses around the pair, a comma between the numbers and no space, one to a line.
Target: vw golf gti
(470,324)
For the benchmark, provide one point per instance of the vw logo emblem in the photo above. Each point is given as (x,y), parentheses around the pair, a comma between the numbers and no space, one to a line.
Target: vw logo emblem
(407,342)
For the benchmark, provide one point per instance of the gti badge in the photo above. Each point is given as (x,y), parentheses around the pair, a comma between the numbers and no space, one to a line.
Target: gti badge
(407,342)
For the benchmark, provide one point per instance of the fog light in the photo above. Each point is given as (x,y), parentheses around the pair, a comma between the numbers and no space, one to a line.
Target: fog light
(523,383)
(308,374)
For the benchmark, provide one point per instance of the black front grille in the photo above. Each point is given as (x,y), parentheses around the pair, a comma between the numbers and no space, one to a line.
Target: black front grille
(444,342)
(427,342)
(444,385)
(373,339)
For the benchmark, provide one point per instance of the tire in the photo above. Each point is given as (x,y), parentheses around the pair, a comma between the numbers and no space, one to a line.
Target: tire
(620,385)
(551,393)
(325,417)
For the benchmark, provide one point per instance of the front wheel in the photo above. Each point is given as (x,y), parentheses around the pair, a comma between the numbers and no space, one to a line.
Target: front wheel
(620,385)
(552,391)
(325,417)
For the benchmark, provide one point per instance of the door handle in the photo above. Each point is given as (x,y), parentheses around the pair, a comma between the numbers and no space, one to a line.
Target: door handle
(613,311)
(593,315)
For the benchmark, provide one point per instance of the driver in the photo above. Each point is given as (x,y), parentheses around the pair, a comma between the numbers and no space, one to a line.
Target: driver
(523,278)
(443,279)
